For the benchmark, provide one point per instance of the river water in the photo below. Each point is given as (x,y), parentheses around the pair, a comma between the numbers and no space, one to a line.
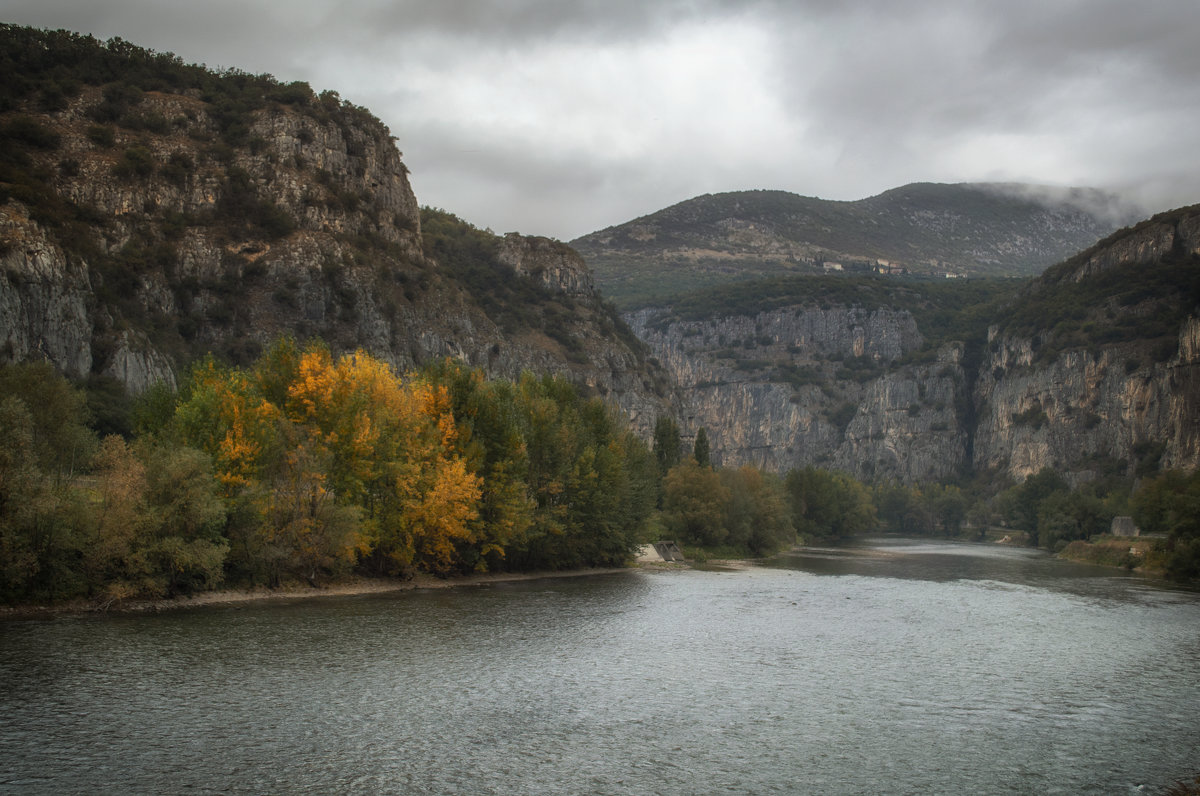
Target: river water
(895,667)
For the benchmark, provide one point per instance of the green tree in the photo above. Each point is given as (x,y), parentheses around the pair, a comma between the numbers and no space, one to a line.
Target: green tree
(491,442)
(694,501)
(1170,504)
(756,515)
(1028,497)
(23,497)
(59,417)
(829,505)
(947,505)
(666,443)
(700,450)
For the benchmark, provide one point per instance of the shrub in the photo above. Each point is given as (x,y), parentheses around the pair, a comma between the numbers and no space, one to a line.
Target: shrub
(23,130)
(137,162)
(101,135)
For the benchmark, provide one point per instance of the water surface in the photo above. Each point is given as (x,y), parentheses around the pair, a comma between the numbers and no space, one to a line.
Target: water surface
(895,667)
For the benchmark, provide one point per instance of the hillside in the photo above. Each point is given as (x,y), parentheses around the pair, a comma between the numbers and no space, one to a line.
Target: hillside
(1090,369)
(152,211)
(924,228)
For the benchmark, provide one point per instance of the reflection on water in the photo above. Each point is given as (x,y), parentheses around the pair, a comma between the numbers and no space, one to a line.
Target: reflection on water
(894,667)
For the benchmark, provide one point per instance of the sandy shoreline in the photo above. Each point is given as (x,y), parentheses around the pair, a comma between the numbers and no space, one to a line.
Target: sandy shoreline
(357,586)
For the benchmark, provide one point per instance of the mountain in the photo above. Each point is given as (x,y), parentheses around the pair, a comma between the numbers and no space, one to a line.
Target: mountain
(152,211)
(925,228)
(1092,369)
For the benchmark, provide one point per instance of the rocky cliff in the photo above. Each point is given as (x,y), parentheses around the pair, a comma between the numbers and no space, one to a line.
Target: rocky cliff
(1091,370)
(553,263)
(154,211)
(810,386)
(1107,381)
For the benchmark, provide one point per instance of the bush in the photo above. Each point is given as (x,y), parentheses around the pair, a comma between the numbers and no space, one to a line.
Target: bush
(101,135)
(23,130)
(136,163)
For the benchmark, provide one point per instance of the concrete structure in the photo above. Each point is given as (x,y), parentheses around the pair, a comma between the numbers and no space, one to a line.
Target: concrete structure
(1123,526)
(659,551)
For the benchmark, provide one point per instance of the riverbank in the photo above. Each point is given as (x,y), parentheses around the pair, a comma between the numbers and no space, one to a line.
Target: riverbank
(293,591)
(1136,553)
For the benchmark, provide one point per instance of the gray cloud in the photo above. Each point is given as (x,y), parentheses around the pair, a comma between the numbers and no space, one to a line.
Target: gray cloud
(564,116)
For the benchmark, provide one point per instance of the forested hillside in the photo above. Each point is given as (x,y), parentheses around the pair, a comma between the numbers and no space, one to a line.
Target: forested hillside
(924,228)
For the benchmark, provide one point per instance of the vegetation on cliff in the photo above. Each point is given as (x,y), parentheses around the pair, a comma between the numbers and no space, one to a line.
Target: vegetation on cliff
(518,305)
(1128,302)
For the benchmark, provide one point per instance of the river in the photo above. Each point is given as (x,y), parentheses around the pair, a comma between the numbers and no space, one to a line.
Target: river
(895,667)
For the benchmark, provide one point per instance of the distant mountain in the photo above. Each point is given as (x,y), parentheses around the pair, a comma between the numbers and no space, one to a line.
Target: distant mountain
(973,229)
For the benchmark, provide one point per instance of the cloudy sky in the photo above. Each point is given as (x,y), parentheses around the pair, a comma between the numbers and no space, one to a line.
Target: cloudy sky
(561,117)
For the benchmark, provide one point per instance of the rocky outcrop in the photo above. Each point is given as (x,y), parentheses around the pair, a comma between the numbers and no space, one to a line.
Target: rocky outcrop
(550,262)
(1145,244)
(1106,401)
(45,298)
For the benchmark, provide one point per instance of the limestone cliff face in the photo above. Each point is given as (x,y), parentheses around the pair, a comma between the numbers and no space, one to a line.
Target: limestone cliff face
(44,297)
(1146,244)
(135,250)
(1125,403)
(552,263)
(1088,414)
(1092,370)
(810,386)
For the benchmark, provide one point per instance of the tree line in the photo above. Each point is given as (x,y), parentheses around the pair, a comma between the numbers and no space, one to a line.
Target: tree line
(305,466)
(1046,511)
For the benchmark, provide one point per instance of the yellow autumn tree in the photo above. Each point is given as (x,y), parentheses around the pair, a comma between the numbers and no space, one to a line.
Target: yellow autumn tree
(389,447)
(227,417)
(339,459)
(425,498)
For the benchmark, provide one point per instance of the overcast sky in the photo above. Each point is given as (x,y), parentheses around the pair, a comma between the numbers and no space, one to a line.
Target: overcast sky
(562,117)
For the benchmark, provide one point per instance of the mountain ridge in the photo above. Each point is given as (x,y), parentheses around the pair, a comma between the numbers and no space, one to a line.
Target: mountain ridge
(993,229)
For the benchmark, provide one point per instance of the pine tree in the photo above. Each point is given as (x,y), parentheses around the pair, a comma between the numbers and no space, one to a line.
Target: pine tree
(700,449)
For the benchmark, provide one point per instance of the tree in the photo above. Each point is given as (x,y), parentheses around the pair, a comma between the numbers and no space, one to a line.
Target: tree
(1029,496)
(666,443)
(491,443)
(694,501)
(1170,503)
(829,505)
(700,449)
(22,495)
(58,415)
(757,515)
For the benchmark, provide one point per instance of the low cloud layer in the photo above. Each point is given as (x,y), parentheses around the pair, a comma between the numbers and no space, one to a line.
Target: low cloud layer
(560,117)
